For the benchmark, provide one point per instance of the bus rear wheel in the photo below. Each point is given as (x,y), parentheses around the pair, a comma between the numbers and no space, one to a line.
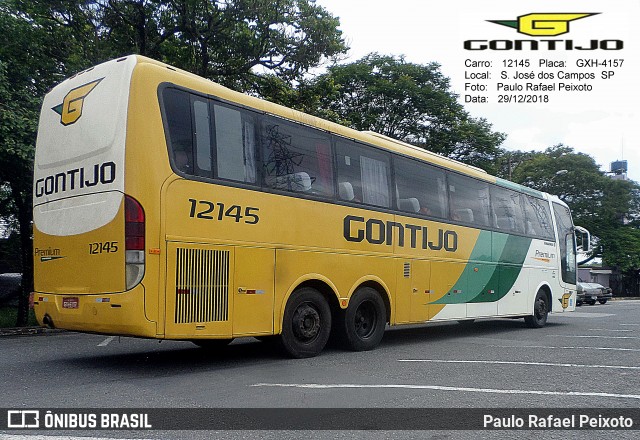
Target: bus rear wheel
(306,325)
(540,311)
(361,325)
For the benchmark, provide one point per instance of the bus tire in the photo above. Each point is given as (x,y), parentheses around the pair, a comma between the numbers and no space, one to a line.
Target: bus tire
(212,344)
(306,325)
(362,324)
(540,311)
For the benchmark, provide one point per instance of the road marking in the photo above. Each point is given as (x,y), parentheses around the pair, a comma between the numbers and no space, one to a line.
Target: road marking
(629,324)
(565,348)
(594,336)
(581,315)
(319,386)
(106,341)
(48,437)
(607,330)
(545,364)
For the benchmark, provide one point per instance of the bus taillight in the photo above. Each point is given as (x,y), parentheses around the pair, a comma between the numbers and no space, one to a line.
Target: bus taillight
(134,241)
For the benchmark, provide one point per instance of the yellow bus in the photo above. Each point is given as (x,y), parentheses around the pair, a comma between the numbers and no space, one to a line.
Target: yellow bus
(167,206)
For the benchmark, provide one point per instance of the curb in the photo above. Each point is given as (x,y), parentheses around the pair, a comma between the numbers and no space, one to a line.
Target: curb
(27,331)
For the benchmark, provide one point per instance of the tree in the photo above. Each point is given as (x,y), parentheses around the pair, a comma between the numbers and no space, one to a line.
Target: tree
(28,67)
(406,101)
(609,208)
(229,41)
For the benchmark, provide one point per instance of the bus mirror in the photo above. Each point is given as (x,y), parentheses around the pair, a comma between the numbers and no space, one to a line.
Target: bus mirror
(583,239)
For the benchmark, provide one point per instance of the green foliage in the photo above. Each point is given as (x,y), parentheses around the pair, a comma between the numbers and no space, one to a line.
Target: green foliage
(8,316)
(406,101)
(228,41)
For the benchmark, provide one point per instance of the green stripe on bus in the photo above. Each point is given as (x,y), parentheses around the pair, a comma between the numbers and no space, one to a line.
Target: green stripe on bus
(485,281)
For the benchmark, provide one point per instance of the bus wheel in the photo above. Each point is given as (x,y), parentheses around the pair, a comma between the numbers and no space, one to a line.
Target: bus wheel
(540,311)
(306,325)
(363,322)
(212,344)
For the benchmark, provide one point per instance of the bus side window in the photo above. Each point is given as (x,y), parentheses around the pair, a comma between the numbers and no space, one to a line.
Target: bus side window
(469,199)
(420,188)
(202,136)
(235,144)
(178,128)
(366,170)
(507,210)
(296,158)
(538,217)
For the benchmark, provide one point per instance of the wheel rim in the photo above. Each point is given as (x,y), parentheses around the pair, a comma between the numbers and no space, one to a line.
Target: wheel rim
(365,319)
(541,308)
(306,323)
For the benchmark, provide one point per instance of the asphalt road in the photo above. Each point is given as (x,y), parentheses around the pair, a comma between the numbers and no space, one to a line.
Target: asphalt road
(585,359)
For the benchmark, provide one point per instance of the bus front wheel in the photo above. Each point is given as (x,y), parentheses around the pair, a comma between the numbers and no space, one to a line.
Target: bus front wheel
(306,325)
(361,325)
(540,311)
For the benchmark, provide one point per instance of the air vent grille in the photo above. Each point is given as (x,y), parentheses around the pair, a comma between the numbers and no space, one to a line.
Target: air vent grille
(202,285)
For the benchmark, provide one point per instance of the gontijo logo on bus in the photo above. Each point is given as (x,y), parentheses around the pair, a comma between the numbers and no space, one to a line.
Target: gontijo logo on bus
(543,24)
(71,108)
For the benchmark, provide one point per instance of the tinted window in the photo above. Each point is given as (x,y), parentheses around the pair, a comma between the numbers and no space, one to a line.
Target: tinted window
(469,200)
(363,174)
(235,143)
(537,218)
(178,124)
(202,135)
(420,188)
(296,158)
(567,243)
(506,210)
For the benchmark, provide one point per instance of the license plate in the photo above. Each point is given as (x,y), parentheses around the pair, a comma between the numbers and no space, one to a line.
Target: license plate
(594,296)
(71,302)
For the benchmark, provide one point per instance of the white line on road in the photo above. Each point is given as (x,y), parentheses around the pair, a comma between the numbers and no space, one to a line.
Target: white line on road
(607,330)
(594,336)
(581,315)
(48,437)
(629,324)
(106,341)
(545,364)
(565,347)
(319,386)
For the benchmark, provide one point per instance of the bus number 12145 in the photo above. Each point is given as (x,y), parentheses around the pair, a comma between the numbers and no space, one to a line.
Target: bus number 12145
(205,209)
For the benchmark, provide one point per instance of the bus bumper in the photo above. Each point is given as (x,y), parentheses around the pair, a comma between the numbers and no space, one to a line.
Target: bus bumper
(113,314)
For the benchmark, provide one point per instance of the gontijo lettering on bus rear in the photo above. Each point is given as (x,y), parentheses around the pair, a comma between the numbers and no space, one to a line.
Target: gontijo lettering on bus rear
(99,174)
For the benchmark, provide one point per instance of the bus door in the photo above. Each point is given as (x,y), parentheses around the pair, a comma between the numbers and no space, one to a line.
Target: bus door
(420,293)
(510,251)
